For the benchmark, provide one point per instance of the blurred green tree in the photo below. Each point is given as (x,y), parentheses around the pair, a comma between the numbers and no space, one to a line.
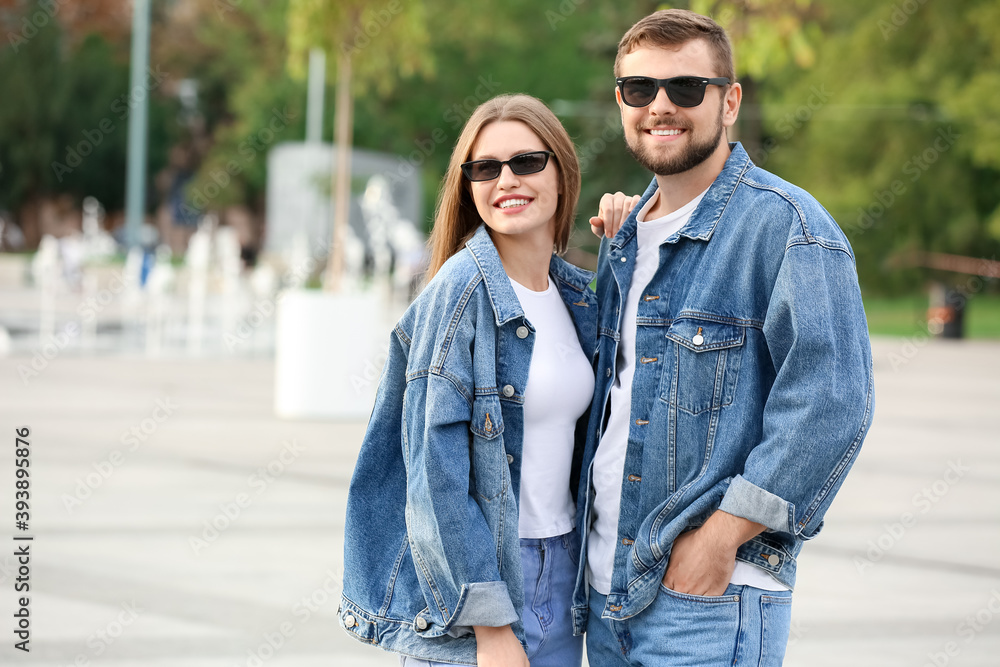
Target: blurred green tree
(235,52)
(66,132)
(895,131)
(767,36)
(849,94)
(559,51)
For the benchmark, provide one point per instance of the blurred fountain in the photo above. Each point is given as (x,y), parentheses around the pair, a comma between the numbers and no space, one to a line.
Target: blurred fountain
(88,329)
(95,246)
(396,245)
(298,259)
(354,263)
(6,344)
(46,271)
(379,214)
(197,260)
(98,243)
(410,249)
(263,286)
(159,286)
(227,253)
(131,296)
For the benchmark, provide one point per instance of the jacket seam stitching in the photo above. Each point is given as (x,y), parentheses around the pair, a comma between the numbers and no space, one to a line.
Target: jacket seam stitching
(357,609)
(842,465)
(431,584)
(718,319)
(401,334)
(395,571)
(821,243)
(611,333)
(747,166)
(455,382)
(567,283)
(788,198)
(456,317)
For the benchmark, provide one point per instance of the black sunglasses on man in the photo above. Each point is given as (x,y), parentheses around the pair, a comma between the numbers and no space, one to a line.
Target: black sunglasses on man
(684,91)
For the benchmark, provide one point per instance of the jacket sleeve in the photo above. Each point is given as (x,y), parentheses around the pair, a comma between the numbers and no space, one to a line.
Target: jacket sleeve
(819,407)
(453,549)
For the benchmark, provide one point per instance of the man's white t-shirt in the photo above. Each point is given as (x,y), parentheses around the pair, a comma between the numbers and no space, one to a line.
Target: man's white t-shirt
(560,388)
(609,462)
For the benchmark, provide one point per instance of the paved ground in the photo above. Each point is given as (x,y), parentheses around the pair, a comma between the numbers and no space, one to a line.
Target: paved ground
(133,461)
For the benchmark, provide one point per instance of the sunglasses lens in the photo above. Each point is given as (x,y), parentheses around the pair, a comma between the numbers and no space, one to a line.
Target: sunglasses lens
(638,91)
(528,163)
(481,170)
(686,91)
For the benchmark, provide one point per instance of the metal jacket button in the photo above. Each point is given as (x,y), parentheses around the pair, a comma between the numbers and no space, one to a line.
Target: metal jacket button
(698,339)
(421,624)
(522,332)
(773,560)
(508,390)
(510,458)
(607,373)
(349,621)
(624,259)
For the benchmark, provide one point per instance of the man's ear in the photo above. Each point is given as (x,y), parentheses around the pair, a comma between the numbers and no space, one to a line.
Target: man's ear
(731,105)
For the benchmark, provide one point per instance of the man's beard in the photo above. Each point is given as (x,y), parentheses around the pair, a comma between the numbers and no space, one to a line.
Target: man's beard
(695,153)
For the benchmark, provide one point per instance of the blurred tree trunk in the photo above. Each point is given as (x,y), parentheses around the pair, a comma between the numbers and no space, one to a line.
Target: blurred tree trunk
(341,172)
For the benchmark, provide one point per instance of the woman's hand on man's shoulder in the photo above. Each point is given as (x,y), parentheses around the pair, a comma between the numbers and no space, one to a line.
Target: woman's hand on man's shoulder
(612,212)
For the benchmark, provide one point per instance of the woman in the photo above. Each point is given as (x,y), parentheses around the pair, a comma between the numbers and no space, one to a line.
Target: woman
(462,506)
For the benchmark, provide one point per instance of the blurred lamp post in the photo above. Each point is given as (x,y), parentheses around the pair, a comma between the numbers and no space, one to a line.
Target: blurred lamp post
(314,106)
(135,187)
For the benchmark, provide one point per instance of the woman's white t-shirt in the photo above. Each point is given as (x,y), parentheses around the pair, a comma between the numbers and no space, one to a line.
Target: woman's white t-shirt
(560,388)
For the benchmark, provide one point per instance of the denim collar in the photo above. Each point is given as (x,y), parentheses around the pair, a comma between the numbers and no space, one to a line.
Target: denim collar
(506,307)
(706,216)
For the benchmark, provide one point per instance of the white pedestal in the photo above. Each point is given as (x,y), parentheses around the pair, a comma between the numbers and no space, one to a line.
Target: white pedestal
(329,353)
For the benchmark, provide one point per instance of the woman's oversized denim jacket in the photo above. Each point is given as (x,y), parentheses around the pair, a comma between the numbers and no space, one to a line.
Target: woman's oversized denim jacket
(431,539)
(753,390)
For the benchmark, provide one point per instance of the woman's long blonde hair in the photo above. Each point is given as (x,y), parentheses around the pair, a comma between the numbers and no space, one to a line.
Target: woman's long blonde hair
(456,217)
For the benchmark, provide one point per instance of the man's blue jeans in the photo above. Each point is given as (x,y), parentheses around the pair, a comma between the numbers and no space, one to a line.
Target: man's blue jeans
(549,576)
(745,626)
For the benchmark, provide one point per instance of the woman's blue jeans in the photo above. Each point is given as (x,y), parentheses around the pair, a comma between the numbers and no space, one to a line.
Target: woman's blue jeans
(549,576)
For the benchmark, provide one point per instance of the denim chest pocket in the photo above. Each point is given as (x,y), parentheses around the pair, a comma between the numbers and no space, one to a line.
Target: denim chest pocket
(489,471)
(701,365)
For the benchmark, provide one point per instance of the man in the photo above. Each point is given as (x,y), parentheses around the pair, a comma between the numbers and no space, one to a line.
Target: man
(734,375)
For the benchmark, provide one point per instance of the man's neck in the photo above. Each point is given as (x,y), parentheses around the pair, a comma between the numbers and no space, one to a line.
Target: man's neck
(676,190)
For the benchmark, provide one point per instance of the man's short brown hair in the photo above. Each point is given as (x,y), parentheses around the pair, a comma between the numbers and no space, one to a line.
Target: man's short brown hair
(671,28)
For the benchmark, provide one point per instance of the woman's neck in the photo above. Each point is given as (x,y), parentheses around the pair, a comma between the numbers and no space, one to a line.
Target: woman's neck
(526,258)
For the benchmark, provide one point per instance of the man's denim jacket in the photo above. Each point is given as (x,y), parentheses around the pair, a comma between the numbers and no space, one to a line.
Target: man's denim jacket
(753,379)
(431,543)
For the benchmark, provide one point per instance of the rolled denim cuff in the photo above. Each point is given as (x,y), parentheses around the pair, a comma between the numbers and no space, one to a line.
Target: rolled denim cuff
(486,603)
(749,501)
